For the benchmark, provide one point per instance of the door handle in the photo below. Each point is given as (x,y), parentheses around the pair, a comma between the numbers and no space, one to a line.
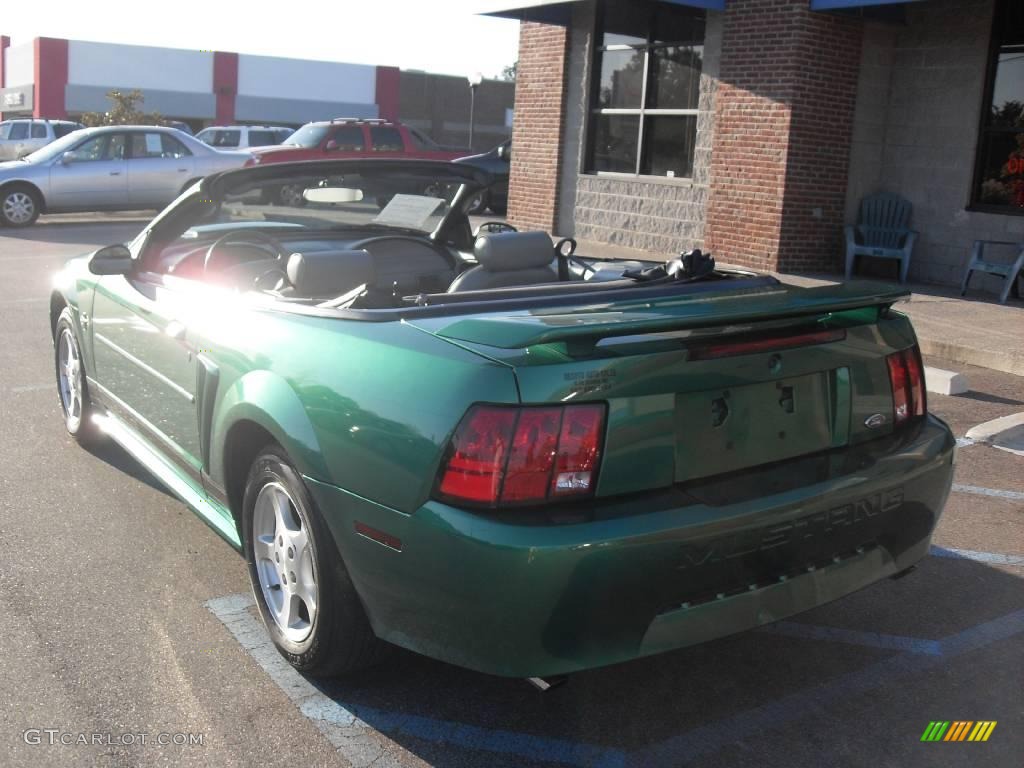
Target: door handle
(115,173)
(183,170)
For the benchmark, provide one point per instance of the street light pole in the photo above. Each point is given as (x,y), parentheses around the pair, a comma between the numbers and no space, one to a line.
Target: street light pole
(474,81)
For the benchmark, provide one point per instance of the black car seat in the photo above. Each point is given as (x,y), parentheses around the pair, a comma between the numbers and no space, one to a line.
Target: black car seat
(508,259)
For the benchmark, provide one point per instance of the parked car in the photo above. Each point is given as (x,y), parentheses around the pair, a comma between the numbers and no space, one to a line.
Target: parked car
(21,136)
(107,168)
(495,162)
(515,461)
(181,126)
(243,136)
(346,138)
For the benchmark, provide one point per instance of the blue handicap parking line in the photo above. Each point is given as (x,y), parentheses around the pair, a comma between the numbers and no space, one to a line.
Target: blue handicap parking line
(992,558)
(853,637)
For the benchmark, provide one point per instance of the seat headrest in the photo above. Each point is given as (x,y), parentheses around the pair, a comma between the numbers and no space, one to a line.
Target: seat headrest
(329,273)
(510,251)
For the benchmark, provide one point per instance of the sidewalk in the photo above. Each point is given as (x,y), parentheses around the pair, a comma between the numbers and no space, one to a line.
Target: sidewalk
(975,330)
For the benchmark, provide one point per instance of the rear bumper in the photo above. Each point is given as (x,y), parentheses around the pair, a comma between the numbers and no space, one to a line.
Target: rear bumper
(524,601)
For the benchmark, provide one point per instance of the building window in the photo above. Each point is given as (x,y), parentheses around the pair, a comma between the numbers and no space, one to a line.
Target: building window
(643,120)
(999,171)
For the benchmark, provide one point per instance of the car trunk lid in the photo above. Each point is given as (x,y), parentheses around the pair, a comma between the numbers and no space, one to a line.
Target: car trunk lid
(704,385)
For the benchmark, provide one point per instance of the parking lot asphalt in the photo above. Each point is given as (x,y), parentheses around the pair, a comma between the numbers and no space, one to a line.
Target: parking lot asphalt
(122,614)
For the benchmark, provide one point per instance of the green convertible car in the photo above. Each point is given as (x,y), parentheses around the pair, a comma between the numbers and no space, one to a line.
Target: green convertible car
(484,448)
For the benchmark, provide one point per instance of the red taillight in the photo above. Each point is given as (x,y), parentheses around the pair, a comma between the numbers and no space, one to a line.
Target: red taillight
(512,456)
(906,375)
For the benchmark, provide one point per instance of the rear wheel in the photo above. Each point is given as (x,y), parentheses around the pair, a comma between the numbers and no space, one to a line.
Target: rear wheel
(19,205)
(71,384)
(301,585)
(479,202)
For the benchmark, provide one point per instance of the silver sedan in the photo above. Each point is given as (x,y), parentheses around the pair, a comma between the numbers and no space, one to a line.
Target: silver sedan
(117,168)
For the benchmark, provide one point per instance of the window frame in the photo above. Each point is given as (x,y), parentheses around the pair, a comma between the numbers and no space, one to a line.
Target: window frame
(594,111)
(995,46)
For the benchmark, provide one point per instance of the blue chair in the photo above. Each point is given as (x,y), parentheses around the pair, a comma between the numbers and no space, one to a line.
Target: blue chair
(1009,271)
(881,231)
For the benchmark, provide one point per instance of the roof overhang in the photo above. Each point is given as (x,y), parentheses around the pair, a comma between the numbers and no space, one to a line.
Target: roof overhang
(560,11)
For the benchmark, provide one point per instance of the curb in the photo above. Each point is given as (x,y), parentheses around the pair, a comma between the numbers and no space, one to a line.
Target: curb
(958,353)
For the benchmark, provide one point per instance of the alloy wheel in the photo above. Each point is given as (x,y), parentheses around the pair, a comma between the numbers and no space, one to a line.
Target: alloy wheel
(284,562)
(69,374)
(19,207)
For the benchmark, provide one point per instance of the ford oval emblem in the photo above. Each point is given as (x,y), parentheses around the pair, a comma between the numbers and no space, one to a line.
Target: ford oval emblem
(875,420)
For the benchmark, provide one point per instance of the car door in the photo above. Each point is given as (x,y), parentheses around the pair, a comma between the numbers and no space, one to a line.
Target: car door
(159,166)
(91,176)
(145,363)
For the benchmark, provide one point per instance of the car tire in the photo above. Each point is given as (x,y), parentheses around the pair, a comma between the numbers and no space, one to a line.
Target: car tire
(479,202)
(318,625)
(72,385)
(19,205)
(290,195)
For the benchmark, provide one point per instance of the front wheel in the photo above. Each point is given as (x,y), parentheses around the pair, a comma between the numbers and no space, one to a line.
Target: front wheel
(71,384)
(19,206)
(301,585)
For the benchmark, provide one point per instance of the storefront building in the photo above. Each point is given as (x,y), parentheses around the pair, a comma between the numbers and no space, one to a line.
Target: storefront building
(56,78)
(753,128)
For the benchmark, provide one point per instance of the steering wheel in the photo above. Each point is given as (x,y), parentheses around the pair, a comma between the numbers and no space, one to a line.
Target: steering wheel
(214,255)
(494,227)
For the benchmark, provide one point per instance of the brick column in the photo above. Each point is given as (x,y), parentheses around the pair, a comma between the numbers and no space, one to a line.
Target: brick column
(537,128)
(387,90)
(5,43)
(51,76)
(225,86)
(783,124)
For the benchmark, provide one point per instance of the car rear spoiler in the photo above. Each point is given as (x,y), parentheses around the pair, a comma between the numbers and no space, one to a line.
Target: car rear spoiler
(588,324)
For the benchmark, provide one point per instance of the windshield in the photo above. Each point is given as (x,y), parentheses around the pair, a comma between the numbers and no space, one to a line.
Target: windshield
(407,202)
(307,136)
(54,149)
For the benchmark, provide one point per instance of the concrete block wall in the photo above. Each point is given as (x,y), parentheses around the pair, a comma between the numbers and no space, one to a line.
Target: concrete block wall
(919,101)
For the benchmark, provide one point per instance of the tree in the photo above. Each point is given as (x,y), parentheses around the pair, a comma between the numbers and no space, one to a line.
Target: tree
(126,109)
(509,72)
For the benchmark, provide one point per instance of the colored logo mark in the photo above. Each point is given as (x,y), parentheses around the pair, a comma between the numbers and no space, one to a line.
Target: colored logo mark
(958,730)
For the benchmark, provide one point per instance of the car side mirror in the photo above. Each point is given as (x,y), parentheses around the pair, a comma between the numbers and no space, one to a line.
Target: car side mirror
(505,153)
(330,146)
(68,157)
(112,260)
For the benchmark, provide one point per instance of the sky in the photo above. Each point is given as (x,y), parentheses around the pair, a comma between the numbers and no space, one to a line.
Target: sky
(445,36)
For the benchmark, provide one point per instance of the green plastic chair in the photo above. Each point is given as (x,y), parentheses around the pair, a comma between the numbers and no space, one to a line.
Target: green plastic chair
(881,231)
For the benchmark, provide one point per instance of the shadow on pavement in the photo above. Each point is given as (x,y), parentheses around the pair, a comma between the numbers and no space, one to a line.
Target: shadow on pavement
(759,692)
(117,457)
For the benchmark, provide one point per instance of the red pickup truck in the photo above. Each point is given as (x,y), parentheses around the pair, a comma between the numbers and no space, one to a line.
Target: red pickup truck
(343,138)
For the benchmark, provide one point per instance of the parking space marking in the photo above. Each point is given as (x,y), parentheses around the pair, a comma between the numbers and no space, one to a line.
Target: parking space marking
(708,739)
(995,492)
(992,558)
(350,729)
(853,637)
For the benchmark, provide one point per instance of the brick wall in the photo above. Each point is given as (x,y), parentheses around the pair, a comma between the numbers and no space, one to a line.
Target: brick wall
(536,132)
(780,153)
